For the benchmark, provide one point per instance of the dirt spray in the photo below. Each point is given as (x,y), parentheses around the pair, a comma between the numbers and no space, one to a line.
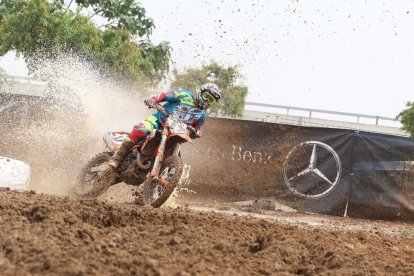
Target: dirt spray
(57,134)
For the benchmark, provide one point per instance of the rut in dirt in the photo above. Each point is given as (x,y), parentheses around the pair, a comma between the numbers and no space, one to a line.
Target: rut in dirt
(48,234)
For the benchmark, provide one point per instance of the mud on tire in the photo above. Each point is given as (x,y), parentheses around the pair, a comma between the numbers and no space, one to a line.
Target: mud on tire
(171,170)
(92,184)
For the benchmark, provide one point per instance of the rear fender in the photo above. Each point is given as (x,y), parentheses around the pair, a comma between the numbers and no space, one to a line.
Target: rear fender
(113,140)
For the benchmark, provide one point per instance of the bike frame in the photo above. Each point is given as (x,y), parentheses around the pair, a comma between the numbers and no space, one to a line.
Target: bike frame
(166,134)
(160,154)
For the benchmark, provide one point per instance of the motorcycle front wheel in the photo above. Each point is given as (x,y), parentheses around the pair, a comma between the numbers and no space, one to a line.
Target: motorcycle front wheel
(95,177)
(154,193)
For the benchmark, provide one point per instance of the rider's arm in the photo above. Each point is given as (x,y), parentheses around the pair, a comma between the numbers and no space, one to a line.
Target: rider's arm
(199,123)
(165,97)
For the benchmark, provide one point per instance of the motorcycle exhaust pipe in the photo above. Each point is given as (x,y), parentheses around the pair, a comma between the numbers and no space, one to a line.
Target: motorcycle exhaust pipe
(146,165)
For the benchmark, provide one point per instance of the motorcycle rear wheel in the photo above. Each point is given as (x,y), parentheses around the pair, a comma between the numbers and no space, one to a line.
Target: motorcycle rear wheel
(92,184)
(153,192)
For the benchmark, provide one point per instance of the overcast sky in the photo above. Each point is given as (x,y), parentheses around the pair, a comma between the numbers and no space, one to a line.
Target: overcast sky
(351,56)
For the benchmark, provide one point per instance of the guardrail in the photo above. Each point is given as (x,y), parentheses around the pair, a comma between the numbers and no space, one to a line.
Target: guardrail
(312,111)
(27,80)
(24,86)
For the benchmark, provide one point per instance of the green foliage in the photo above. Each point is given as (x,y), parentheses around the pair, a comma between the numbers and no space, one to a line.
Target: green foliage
(33,26)
(407,118)
(126,14)
(227,79)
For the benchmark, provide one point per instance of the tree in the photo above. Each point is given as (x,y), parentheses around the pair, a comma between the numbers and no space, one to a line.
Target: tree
(228,79)
(407,118)
(127,14)
(31,27)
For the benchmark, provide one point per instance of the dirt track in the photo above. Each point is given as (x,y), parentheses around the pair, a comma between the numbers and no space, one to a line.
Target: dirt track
(43,234)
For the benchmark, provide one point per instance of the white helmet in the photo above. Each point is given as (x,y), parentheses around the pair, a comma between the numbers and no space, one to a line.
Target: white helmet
(207,95)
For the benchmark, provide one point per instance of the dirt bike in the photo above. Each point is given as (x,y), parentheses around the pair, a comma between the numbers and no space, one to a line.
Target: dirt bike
(156,161)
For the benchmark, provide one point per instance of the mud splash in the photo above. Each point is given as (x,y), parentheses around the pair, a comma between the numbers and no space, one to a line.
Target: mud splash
(57,134)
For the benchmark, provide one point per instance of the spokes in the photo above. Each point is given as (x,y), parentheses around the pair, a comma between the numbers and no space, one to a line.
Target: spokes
(100,168)
(95,175)
(158,191)
(168,173)
(160,185)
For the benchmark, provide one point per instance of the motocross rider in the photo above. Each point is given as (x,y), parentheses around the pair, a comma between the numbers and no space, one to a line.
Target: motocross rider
(192,112)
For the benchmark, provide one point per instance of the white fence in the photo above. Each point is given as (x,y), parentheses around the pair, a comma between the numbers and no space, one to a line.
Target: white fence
(308,117)
(357,118)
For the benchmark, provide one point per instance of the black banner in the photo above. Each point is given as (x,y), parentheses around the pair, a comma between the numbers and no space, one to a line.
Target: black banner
(330,171)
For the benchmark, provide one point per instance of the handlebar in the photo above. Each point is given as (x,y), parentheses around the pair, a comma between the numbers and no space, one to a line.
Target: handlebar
(161,109)
(192,129)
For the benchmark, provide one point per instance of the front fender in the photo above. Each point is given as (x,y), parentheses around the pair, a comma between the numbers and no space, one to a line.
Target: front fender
(180,136)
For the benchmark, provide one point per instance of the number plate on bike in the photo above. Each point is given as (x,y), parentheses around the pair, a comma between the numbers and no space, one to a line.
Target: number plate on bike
(176,126)
(179,128)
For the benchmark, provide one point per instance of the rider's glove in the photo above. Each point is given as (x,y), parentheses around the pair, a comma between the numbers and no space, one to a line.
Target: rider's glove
(196,134)
(149,102)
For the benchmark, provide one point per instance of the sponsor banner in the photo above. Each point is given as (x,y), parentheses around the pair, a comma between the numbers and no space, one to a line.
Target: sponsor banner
(324,170)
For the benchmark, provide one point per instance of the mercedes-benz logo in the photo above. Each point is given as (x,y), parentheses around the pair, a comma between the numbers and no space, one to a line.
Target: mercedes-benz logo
(303,174)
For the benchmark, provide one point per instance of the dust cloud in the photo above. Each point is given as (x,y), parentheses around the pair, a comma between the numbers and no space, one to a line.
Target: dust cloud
(56,135)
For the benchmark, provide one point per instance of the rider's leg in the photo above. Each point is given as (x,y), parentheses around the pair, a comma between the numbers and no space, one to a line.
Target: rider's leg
(121,153)
(140,130)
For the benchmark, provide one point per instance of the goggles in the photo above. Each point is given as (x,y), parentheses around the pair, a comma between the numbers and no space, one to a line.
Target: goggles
(206,96)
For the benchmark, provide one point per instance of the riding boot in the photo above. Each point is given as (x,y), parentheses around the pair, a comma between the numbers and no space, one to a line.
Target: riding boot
(121,153)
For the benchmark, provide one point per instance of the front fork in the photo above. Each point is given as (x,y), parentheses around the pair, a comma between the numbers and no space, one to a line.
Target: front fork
(160,153)
(160,157)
